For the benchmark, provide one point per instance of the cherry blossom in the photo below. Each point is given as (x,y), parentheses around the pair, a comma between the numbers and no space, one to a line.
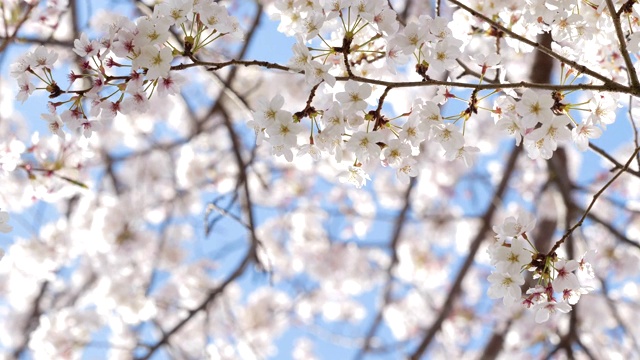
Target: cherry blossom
(26,88)
(356,176)
(505,286)
(583,132)
(42,57)
(545,309)
(565,279)
(534,108)
(54,123)
(354,96)
(547,136)
(231,200)
(85,47)
(157,62)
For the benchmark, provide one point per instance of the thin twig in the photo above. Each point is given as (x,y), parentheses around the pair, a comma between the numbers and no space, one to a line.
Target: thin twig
(11,38)
(616,163)
(593,201)
(632,120)
(616,314)
(623,45)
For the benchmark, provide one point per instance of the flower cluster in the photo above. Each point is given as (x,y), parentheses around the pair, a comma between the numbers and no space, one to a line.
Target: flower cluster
(346,127)
(144,47)
(367,34)
(349,133)
(513,253)
(543,121)
(349,38)
(365,88)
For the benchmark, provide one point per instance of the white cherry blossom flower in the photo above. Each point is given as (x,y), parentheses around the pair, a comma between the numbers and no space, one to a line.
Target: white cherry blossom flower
(170,84)
(506,286)
(151,31)
(26,88)
(516,226)
(364,145)
(123,44)
(465,153)
(603,108)
(284,133)
(335,5)
(311,150)
(216,17)
(546,308)
(583,132)
(430,114)
(513,126)
(412,131)
(42,57)
(408,169)
(268,111)
(449,136)
(395,152)
(137,101)
(395,57)
(316,72)
(572,296)
(20,66)
(511,259)
(386,21)
(301,56)
(176,10)
(354,96)
(443,56)
(552,131)
(157,62)
(54,123)
(486,62)
(282,150)
(438,27)
(565,278)
(312,24)
(585,263)
(534,108)
(85,47)
(411,37)
(86,126)
(354,175)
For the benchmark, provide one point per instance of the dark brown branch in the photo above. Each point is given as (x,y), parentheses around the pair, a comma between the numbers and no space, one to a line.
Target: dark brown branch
(32,320)
(615,232)
(11,38)
(212,296)
(251,255)
(456,288)
(542,48)
(623,45)
(616,315)
(386,299)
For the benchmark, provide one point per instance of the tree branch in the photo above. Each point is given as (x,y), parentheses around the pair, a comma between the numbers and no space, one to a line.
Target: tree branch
(455,290)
